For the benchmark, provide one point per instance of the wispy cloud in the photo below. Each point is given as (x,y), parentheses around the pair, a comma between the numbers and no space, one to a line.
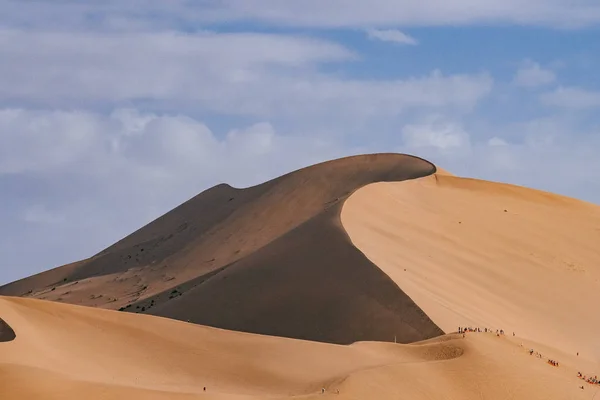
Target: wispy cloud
(437,133)
(391,35)
(572,97)
(531,74)
(142,14)
(545,150)
(244,74)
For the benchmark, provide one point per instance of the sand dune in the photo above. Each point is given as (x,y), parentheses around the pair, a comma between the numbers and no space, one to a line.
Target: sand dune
(73,352)
(271,259)
(348,254)
(488,254)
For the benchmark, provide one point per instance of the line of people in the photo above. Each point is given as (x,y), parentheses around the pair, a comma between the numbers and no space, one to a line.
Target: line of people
(464,330)
(537,354)
(552,362)
(589,379)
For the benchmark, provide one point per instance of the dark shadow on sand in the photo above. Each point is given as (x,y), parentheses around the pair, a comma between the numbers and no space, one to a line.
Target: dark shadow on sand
(6,332)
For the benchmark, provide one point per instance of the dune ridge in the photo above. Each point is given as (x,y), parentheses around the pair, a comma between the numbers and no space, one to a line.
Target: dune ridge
(271,259)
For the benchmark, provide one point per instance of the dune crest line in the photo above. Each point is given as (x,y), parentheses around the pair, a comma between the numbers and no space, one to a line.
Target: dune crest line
(270,259)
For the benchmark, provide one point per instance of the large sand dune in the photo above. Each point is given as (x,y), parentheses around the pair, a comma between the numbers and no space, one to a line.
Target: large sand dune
(487,254)
(271,259)
(366,248)
(71,352)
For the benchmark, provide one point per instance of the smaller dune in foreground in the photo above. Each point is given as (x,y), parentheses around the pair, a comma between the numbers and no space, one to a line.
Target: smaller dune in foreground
(73,352)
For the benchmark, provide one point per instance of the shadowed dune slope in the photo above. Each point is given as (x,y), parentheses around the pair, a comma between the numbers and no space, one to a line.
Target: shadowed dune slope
(69,352)
(270,259)
(309,284)
(487,254)
(6,332)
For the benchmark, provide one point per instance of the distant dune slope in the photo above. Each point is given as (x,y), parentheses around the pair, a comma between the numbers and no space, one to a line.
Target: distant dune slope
(66,352)
(487,254)
(270,259)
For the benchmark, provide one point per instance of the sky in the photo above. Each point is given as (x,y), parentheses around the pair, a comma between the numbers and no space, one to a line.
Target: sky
(114,112)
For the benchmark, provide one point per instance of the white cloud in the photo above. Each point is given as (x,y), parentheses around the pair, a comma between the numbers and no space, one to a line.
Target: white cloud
(141,14)
(131,142)
(391,35)
(531,74)
(245,74)
(413,13)
(436,133)
(51,138)
(543,155)
(571,97)
(46,65)
(258,139)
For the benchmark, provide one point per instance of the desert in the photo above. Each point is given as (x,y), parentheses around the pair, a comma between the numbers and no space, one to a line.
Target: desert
(373,276)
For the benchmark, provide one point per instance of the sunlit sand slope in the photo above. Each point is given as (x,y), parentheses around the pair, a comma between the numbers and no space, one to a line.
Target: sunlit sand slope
(70,352)
(488,254)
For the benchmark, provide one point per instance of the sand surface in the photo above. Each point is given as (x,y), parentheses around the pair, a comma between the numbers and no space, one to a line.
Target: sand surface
(72,352)
(488,254)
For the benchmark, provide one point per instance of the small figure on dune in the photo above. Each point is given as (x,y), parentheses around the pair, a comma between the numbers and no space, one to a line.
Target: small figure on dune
(322,390)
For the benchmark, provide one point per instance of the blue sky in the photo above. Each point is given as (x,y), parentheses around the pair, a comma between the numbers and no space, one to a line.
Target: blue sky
(114,112)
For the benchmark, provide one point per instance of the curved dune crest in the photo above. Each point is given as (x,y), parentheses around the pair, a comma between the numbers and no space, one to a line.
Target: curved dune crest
(7,334)
(270,259)
(487,254)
